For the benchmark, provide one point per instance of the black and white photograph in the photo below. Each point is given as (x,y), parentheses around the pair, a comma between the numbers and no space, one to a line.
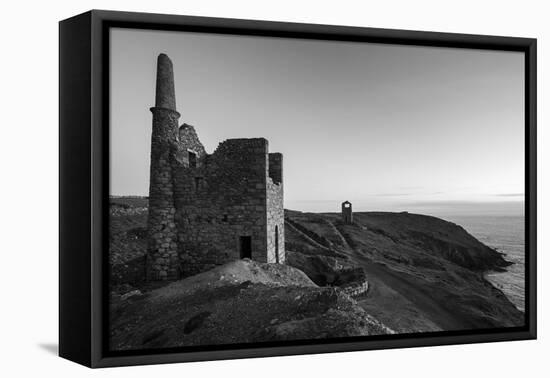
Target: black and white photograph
(275,189)
(265,190)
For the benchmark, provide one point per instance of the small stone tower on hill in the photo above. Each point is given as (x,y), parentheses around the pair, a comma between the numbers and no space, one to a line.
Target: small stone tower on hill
(347,214)
(208,209)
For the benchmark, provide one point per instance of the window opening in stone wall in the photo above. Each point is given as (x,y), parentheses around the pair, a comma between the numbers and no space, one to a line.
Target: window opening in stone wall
(245,245)
(192,159)
(198,183)
(277,244)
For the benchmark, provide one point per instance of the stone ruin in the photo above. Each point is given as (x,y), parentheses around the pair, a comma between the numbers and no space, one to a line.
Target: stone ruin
(208,209)
(347,214)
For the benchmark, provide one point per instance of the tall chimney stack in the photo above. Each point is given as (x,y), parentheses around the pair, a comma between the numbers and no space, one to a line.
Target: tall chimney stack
(165,95)
(162,254)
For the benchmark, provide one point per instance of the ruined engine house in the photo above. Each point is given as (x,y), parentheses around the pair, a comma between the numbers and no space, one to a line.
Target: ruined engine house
(208,209)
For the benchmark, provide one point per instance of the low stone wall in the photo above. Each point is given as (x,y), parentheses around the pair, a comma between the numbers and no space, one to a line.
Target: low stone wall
(356,289)
(331,271)
(119,211)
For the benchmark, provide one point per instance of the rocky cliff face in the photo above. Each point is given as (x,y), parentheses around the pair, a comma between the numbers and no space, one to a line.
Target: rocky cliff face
(425,274)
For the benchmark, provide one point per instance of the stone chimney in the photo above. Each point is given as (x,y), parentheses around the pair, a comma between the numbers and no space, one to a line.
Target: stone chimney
(165,94)
(162,255)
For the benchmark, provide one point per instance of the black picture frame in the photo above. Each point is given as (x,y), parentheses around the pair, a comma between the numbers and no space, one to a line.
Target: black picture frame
(83,180)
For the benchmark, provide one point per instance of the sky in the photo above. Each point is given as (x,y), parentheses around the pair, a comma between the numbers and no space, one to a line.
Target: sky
(387,127)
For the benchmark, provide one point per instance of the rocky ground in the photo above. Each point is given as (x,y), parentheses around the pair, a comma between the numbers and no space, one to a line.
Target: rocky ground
(385,272)
(240,302)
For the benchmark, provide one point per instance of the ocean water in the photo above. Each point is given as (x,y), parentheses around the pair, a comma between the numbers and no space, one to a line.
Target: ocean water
(506,234)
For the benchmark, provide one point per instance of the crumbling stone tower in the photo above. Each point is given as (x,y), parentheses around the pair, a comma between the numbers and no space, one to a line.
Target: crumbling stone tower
(347,214)
(208,209)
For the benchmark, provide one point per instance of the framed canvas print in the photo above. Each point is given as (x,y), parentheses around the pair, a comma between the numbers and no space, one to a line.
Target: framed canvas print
(233,188)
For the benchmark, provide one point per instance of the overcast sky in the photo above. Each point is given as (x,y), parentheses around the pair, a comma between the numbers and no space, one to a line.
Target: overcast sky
(383,126)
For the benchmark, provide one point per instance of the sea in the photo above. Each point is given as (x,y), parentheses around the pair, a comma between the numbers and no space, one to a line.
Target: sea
(506,234)
(499,225)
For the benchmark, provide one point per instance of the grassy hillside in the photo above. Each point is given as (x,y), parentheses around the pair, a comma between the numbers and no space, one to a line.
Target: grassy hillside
(385,272)
(425,274)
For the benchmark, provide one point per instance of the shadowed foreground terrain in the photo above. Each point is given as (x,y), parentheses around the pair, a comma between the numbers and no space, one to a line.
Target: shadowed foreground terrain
(240,302)
(385,273)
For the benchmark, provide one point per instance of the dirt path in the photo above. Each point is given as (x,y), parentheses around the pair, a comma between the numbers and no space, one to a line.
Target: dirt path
(339,234)
(307,237)
(408,288)
(416,294)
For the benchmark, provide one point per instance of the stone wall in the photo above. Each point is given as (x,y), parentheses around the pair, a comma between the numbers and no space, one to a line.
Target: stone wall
(276,167)
(206,210)
(162,248)
(356,289)
(275,211)
(347,213)
(221,200)
(189,142)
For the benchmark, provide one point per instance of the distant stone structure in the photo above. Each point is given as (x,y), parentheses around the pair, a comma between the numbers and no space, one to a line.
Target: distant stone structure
(347,214)
(208,209)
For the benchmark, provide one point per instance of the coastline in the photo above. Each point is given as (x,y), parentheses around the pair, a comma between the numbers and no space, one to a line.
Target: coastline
(420,267)
(494,278)
(503,234)
(424,274)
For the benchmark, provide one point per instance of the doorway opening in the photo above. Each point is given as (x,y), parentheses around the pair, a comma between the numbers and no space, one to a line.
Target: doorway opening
(245,245)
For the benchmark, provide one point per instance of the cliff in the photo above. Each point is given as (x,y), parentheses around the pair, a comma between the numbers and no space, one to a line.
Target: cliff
(425,274)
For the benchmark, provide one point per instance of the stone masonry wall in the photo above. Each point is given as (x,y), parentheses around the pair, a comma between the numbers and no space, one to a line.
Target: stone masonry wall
(162,237)
(218,201)
(275,210)
(275,223)
(276,167)
(204,208)
(347,213)
(189,142)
